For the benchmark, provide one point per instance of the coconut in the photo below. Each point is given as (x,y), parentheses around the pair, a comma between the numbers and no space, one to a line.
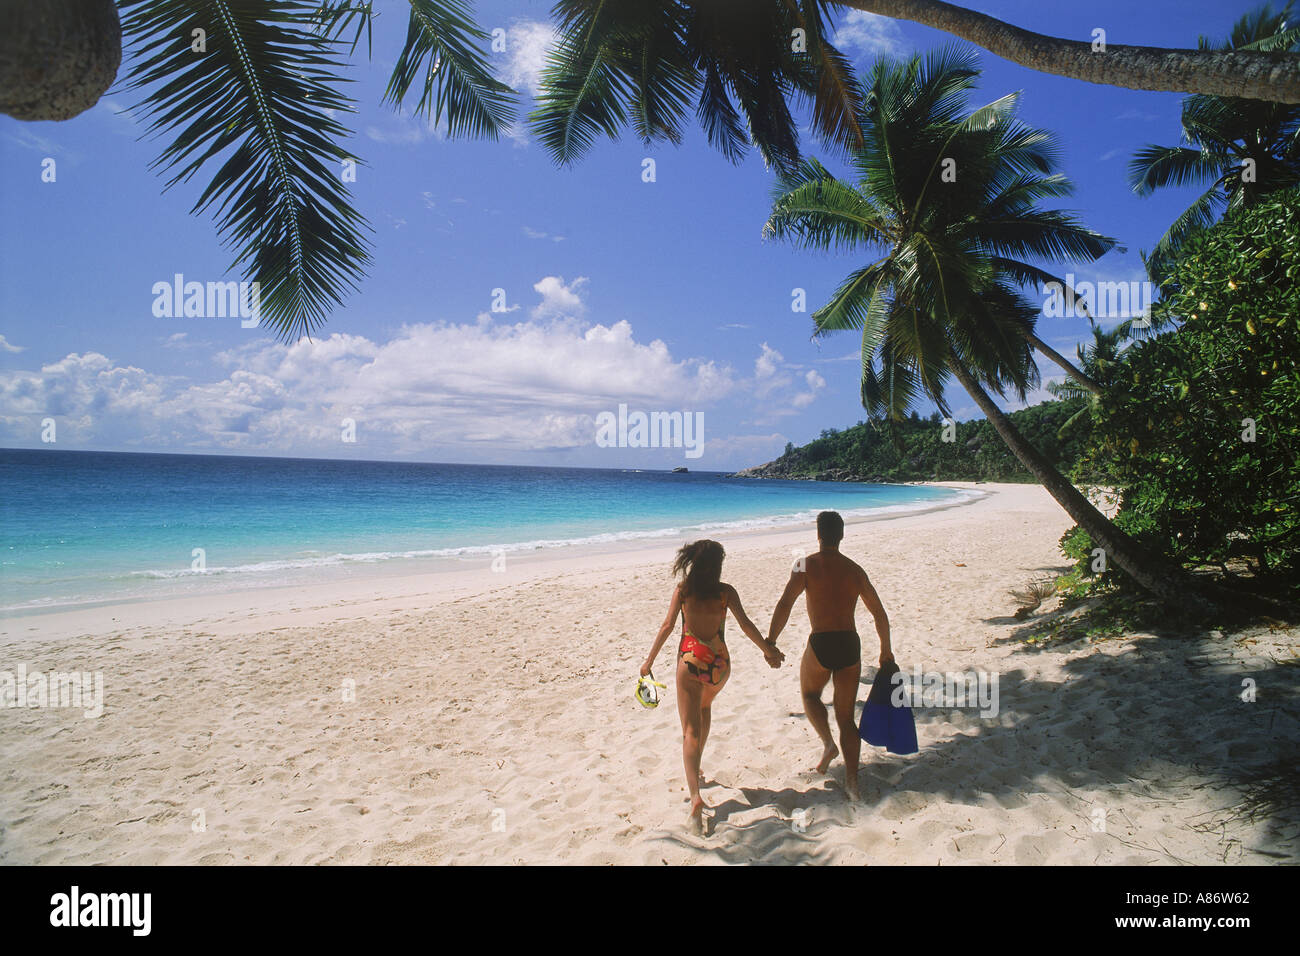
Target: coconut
(57,57)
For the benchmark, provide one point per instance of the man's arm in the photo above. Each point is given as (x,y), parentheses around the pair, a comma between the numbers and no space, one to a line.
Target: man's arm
(877,612)
(798,581)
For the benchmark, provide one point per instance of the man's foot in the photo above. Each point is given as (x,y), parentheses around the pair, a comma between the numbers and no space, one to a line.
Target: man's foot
(829,754)
(851,791)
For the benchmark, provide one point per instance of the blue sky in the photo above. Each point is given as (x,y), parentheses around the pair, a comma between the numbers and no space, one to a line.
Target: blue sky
(661,295)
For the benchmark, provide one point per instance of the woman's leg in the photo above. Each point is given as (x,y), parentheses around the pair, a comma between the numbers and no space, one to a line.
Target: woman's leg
(689,693)
(706,710)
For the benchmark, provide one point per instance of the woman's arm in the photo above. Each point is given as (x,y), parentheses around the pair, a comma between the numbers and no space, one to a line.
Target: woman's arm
(665,629)
(770,653)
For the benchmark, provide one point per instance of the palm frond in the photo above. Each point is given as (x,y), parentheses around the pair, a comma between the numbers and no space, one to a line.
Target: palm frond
(264,94)
(1201,214)
(583,92)
(442,47)
(858,303)
(1155,167)
(819,211)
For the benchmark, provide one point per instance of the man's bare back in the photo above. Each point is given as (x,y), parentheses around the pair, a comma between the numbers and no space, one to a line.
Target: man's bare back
(832,585)
(832,588)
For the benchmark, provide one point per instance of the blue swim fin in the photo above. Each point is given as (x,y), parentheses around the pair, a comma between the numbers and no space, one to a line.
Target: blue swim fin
(883,724)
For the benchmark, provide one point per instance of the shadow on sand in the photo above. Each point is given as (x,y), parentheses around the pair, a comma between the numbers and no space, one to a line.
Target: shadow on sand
(1165,712)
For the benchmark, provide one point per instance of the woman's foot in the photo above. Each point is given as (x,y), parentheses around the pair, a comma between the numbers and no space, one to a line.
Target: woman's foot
(829,754)
(696,819)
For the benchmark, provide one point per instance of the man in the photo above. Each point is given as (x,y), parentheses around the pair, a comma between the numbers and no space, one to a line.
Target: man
(833,584)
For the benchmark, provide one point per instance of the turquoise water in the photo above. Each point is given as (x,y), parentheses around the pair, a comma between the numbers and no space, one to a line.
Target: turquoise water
(86,527)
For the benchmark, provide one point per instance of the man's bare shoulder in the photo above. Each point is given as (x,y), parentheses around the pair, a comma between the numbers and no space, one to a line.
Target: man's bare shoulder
(857,570)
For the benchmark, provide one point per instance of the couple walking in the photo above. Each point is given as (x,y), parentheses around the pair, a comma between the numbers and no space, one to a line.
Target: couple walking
(832,584)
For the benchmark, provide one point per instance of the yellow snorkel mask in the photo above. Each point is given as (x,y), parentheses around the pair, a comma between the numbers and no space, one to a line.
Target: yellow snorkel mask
(646,694)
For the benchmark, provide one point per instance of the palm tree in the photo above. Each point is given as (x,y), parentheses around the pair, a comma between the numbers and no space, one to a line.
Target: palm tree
(257,101)
(1099,359)
(1260,74)
(646,62)
(251,91)
(945,298)
(1239,149)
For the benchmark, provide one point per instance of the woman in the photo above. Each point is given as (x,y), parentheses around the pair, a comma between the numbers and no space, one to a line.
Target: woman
(703,664)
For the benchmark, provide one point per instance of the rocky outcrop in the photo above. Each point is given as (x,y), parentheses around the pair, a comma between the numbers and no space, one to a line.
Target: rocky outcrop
(57,57)
(779,469)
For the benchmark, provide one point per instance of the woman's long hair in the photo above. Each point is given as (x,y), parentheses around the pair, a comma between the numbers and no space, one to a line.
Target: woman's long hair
(700,563)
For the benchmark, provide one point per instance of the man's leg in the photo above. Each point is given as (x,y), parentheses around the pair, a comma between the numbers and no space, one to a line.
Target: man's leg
(812,681)
(846,695)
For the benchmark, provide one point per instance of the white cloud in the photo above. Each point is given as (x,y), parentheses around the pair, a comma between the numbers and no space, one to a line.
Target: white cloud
(538,234)
(8,346)
(869,34)
(774,380)
(401,128)
(765,369)
(27,139)
(527,44)
(815,384)
(559,299)
(485,391)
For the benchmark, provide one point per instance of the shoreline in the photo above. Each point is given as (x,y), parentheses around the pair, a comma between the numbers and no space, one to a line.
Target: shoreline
(456,575)
(491,720)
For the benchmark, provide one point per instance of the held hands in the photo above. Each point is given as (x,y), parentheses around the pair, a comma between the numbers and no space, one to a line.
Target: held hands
(886,657)
(645,668)
(773,656)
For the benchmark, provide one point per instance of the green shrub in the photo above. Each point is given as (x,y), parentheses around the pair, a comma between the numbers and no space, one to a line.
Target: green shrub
(1174,430)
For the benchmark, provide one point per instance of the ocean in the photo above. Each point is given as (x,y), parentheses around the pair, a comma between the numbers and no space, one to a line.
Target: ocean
(82,528)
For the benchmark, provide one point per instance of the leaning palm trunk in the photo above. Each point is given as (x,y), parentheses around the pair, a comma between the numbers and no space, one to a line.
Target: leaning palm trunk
(1239,73)
(1154,574)
(1070,368)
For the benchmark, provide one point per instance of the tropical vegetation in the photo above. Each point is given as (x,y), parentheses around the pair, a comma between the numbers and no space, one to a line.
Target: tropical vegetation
(1199,425)
(948,205)
(917,448)
(1240,150)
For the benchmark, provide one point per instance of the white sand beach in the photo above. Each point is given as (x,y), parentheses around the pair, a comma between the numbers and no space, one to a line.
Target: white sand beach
(493,722)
